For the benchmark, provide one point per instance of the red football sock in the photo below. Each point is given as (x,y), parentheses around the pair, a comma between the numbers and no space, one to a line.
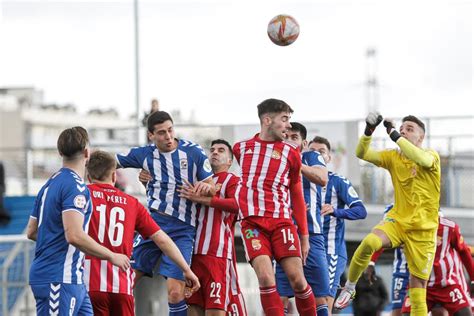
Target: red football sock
(305,302)
(271,302)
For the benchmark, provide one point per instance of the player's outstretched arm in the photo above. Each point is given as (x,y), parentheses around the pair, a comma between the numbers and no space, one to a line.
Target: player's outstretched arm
(300,216)
(315,174)
(169,248)
(363,150)
(225,204)
(356,211)
(75,235)
(414,153)
(32,228)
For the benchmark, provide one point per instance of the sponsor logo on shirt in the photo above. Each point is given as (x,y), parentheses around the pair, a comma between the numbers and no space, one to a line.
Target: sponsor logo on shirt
(183,163)
(207,166)
(80,201)
(352,192)
(249,233)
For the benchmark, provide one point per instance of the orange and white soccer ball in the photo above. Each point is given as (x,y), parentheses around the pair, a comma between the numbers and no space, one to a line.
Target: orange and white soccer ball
(283,30)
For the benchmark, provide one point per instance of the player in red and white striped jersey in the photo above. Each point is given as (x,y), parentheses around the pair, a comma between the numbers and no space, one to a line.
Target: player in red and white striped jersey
(447,286)
(214,246)
(271,176)
(115,217)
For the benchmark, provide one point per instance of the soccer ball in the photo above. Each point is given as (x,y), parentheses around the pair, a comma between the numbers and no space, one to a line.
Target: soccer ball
(283,30)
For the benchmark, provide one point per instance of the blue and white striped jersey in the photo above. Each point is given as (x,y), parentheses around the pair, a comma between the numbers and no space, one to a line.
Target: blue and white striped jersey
(55,259)
(339,192)
(400,265)
(169,170)
(312,193)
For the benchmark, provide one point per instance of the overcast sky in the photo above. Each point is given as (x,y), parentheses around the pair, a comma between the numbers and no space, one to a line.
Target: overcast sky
(214,57)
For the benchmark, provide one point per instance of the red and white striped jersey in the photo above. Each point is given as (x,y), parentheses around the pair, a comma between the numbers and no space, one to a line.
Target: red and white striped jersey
(115,218)
(215,230)
(451,254)
(268,169)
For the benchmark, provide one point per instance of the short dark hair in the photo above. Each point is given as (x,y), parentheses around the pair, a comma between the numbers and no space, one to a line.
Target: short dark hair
(157,117)
(273,106)
(223,142)
(72,141)
(414,119)
(101,164)
(321,140)
(300,128)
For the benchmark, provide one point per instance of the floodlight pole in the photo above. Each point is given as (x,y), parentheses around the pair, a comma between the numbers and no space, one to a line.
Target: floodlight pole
(372,82)
(137,72)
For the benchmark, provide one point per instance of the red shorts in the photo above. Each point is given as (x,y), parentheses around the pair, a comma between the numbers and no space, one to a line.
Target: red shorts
(274,237)
(237,303)
(214,275)
(237,306)
(110,304)
(452,298)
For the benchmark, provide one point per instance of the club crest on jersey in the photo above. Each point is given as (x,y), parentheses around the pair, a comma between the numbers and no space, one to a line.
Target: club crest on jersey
(183,163)
(249,233)
(276,154)
(80,201)
(256,244)
(439,240)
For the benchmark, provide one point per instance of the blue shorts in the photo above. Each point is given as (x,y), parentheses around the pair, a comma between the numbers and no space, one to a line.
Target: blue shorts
(315,270)
(146,254)
(61,299)
(336,267)
(399,289)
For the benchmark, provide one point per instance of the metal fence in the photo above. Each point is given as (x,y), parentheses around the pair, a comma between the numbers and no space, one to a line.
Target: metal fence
(16,253)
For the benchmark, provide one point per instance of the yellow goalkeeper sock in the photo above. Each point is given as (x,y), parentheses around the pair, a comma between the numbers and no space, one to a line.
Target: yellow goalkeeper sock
(361,258)
(418,301)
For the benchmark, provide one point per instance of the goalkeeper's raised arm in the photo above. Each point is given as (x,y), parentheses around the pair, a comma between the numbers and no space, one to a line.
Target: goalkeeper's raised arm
(410,138)
(363,150)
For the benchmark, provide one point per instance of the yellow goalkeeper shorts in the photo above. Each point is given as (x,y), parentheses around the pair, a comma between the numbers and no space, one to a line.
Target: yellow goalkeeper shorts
(419,246)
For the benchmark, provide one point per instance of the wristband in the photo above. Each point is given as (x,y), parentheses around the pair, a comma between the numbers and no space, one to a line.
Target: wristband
(369,130)
(394,135)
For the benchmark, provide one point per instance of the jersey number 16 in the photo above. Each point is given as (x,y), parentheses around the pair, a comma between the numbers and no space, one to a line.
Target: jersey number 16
(115,231)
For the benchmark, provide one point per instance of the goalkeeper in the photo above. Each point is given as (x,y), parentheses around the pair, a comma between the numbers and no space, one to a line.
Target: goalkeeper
(413,221)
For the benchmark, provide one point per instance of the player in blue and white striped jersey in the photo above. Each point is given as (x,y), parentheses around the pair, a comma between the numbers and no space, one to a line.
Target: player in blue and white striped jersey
(336,195)
(58,222)
(170,163)
(314,173)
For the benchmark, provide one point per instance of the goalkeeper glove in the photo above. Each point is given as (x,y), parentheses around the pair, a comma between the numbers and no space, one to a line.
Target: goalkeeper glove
(391,131)
(371,121)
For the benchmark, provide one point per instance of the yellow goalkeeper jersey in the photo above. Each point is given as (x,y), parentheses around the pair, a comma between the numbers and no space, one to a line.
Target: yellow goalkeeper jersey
(416,182)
